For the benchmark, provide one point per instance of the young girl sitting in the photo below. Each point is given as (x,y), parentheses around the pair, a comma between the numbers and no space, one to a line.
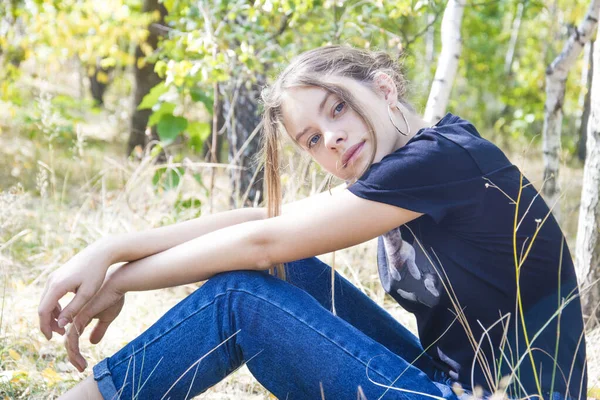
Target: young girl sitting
(465,243)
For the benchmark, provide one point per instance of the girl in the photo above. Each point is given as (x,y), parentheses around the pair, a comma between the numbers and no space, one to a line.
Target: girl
(465,243)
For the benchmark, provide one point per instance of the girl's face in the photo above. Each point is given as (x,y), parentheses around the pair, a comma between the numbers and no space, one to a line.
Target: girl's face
(332,133)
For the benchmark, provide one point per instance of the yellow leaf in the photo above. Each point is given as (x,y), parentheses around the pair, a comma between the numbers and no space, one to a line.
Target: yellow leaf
(14,354)
(102,77)
(594,393)
(51,376)
(141,63)
(146,48)
(14,376)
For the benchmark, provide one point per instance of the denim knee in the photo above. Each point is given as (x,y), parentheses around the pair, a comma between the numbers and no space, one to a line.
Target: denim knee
(235,278)
(311,266)
(249,281)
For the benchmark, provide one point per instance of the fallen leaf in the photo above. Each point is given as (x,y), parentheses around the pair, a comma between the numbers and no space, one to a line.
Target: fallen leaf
(14,354)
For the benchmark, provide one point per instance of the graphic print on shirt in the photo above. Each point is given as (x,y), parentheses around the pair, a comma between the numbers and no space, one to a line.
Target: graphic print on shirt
(413,278)
(454,366)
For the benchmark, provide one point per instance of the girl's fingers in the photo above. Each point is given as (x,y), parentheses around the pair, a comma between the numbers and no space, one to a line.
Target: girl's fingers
(56,311)
(48,304)
(99,331)
(72,345)
(56,328)
(82,296)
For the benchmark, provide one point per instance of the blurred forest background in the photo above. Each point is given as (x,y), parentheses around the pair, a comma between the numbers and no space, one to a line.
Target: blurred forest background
(123,115)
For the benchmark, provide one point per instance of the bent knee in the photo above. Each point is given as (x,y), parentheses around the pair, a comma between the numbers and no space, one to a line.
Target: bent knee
(232,280)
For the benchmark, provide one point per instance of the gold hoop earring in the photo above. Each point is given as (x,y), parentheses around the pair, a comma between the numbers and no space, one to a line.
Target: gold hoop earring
(395,125)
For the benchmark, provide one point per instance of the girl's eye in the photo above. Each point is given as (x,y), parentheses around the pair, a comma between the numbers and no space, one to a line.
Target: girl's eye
(313,141)
(340,107)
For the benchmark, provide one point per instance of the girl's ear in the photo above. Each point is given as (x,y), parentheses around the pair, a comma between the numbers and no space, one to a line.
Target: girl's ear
(385,85)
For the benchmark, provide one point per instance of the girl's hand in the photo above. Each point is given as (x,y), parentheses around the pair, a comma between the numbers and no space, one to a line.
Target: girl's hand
(104,306)
(83,275)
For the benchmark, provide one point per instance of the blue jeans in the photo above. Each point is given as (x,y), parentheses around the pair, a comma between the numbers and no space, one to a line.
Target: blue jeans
(286,335)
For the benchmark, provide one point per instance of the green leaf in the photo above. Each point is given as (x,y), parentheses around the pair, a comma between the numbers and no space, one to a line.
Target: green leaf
(199,95)
(198,132)
(151,98)
(167,178)
(192,202)
(169,127)
(164,109)
(169,4)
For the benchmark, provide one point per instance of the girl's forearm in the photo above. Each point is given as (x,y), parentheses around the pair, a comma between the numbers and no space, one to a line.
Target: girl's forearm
(228,249)
(137,245)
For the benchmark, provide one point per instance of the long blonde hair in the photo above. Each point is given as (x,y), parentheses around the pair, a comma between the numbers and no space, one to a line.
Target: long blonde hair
(312,68)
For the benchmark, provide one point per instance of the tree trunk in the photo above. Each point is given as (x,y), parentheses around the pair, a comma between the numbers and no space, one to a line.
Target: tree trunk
(588,68)
(207,147)
(99,81)
(514,36)
(430,40)
(587,255)
(447,62)
(556,77)
(242,132)
(145,79)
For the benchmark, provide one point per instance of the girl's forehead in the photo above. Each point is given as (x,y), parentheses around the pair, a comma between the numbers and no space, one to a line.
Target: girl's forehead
(301,94)
(302,101)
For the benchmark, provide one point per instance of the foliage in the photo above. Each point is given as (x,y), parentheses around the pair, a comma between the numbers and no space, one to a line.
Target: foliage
(97,33)
(234,42)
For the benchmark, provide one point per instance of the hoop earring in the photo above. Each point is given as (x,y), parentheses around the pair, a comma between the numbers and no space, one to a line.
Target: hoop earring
(395,125)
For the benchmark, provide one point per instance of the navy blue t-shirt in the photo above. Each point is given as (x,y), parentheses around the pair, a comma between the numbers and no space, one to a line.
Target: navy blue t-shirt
(460,256)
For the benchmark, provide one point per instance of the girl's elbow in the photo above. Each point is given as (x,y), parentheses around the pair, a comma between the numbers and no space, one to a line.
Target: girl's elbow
(260,247)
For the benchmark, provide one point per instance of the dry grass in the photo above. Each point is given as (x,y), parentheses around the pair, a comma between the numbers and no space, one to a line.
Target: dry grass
(70,197)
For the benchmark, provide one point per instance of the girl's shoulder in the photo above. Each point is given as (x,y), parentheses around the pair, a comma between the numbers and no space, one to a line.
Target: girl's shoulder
(453,145)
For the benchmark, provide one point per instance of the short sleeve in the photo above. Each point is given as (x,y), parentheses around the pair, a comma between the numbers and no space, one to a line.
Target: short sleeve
(431,174)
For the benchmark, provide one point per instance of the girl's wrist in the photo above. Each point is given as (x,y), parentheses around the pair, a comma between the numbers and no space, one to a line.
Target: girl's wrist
(115,281)
(107,247)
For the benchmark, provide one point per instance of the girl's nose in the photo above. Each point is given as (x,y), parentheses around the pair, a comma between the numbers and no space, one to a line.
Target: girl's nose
(333,139)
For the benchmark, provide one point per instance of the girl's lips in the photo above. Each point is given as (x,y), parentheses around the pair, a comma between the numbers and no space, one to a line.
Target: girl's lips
(351,153)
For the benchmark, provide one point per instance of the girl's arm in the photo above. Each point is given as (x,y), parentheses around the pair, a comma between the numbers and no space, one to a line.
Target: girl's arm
(84,273)
(136,245)
(334,222)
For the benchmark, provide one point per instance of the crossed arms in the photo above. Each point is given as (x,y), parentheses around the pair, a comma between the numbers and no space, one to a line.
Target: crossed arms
(196,250)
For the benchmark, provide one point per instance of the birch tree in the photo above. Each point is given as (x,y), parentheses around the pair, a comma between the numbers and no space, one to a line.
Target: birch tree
(447,62)
(514,35)
(585,98)
(556,77)
(587,253)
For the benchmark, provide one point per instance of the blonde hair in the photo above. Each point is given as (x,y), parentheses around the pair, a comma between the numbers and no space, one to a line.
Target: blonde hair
(312,68)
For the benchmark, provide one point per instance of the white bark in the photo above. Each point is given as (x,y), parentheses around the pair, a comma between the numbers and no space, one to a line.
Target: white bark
(556,77)
(430,40)
(584,98)
(447,62)
(587,252)
(514,35)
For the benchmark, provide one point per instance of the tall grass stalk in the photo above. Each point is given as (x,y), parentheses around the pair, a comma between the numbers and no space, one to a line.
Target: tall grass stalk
(518,272)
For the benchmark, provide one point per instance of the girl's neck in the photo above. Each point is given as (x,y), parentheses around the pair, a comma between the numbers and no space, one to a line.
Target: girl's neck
(416,123)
